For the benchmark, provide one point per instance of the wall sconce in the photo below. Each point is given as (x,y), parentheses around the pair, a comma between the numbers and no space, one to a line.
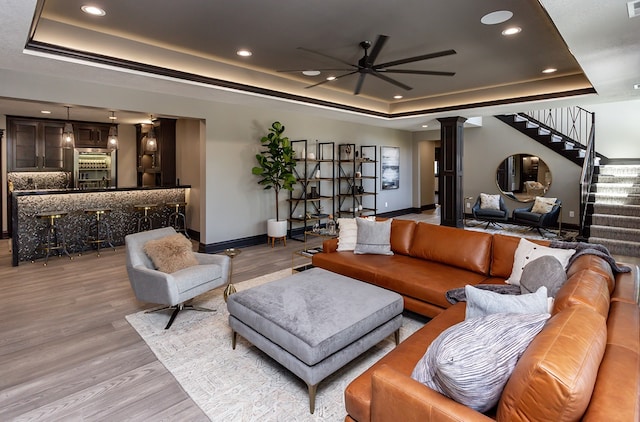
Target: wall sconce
(68,138)
(151,144)
(112,139)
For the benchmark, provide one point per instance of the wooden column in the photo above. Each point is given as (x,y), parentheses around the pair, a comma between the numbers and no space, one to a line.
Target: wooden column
(450,164)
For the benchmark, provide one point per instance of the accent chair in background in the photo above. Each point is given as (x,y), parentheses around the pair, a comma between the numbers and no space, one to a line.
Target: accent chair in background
(490,208)
(541,214)
(172,289)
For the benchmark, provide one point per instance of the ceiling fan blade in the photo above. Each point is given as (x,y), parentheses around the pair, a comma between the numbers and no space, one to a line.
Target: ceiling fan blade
(308,50)
(415,59)
(359,84)
(382,39)
(326,80)
(391,81)
(417,72)
(342,69)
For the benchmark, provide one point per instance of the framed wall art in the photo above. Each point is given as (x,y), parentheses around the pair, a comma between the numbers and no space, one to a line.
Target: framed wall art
(390,167)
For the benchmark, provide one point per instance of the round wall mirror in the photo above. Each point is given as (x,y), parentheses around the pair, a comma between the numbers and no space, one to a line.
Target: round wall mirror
(522,177)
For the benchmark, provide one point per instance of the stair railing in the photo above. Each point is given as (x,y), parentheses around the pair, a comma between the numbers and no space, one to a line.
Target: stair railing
(586,178)
(574,122)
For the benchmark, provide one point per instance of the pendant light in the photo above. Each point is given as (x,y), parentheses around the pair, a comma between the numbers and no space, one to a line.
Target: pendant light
(112,139)
(68,139)
(152,143)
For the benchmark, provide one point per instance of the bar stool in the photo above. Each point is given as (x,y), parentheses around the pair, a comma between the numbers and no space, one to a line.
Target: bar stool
(54,239)
(177,219)
(101,236)
(144,218)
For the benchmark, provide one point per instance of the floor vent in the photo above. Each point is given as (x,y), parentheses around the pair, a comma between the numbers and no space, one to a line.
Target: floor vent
(634,8)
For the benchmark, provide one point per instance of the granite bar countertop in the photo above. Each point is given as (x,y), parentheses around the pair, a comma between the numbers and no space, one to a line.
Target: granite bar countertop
(92,190)
(28,231)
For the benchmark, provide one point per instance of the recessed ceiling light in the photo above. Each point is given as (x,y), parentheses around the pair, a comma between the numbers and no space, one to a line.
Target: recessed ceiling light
(244,53)
(311,72)
(425,125)
(93,10)
(331,78)
(550,70)
(45,112)
(397,97)
(497,17)
(112,117)
(512,31)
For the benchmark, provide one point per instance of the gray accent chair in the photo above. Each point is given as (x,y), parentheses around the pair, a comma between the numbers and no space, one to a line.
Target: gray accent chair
(538,221)
(172,290)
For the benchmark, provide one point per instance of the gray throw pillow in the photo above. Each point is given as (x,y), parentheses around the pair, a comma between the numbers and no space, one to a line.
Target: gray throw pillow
(472,361)
(483,302)
(545,271)
(374,237)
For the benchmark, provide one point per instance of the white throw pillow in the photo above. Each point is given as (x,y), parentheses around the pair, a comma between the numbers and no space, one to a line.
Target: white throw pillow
(348,234)
(543,205)
(528,251)
(489,202)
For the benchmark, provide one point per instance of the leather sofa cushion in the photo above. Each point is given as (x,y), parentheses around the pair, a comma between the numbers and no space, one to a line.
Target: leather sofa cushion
(621,356)
(584,288)
(627,286)
(460,248)
(403,359)
(401,235)
(503,251)
(594,263)
(555,377)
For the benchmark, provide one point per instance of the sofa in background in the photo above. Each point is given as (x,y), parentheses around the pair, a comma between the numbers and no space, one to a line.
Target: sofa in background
(583,365)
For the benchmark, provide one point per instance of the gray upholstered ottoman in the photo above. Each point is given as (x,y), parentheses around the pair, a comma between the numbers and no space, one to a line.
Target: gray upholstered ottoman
(314,322)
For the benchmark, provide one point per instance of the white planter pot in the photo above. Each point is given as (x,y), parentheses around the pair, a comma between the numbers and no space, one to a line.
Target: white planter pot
(276,228)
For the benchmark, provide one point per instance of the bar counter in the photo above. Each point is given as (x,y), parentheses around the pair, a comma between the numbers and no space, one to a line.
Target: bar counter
(28,230)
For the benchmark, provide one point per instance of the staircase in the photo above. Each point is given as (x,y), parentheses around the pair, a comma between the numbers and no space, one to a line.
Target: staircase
(615,200)
(552,138)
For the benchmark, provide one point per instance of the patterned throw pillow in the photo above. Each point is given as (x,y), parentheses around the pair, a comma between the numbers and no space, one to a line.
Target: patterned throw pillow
(528,251)
(543,205)
(472,361)
(489,202)
(171,253)
(374,237)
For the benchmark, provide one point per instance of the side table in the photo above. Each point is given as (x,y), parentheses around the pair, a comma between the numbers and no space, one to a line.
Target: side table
(308,252)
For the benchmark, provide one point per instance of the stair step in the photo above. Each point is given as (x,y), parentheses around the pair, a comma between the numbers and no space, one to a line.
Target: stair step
(617,188)
(616,221)
(615,233)
(620,199)
(618,247)
(616,209)
(621,170)
(609,178)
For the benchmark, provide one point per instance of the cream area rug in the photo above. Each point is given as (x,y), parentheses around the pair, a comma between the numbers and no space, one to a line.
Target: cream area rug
(245,384)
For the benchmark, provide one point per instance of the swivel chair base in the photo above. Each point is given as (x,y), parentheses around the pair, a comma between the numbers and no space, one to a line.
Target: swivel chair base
(178,308)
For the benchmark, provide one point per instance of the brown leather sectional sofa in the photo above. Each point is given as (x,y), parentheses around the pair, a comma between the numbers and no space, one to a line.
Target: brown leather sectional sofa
(583,365)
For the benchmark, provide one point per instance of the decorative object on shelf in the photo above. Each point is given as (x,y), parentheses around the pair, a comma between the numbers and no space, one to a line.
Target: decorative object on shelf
(318,174)
(276,166)
(390,167)
(311,156)
(331,225)
(68,138)
(314,193)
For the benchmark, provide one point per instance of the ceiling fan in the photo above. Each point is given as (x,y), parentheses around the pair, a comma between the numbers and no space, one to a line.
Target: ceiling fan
(366,65)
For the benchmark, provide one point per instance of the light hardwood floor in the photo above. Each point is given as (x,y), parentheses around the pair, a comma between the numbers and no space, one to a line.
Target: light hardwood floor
(67,352)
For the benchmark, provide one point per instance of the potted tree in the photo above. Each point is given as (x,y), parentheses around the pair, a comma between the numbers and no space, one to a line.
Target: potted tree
(276,165)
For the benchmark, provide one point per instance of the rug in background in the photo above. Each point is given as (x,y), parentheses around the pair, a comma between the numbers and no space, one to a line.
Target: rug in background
(245,384)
